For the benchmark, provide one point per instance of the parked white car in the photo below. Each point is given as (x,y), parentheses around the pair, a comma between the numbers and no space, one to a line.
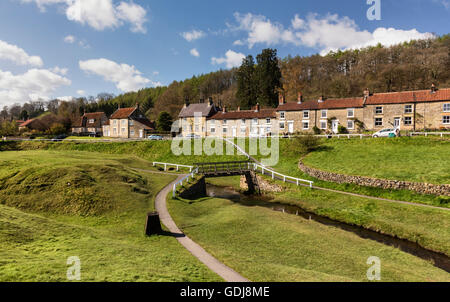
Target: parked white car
(387,133)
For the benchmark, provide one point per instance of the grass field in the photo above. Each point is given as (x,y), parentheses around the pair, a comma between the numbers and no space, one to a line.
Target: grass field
(269,246)
(411,159)
(99,218)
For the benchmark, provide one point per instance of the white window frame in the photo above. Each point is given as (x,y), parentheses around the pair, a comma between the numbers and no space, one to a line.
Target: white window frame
(213,130)
(446,117)
(352,110)
(404,121)
(224,122)
(322,113)
(352,127)
(255,121)
(409,109)
(131,123)
(376,110)
(305,123)
(225,130)
(91,121)
(132,132)
(325,123)
(446,107)
(375,122)
(268,121)
(243,121)
(306,114)
(282,115)
(282,127)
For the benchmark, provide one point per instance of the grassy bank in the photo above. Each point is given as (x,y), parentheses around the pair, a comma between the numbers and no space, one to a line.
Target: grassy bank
(99,218)
(268,246)
(428,227)
(415,159)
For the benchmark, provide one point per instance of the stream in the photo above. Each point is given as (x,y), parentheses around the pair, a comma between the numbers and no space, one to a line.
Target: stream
(439,260)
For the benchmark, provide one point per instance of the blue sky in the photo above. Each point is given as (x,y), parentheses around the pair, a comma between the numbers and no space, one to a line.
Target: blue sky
(62,48)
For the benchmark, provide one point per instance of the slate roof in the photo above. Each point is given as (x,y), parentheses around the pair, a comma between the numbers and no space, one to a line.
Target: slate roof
(245,114)
(203,108)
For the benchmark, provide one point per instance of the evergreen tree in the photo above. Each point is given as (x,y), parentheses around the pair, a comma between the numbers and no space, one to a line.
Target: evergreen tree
(268,78)
(164,122)
(246,84)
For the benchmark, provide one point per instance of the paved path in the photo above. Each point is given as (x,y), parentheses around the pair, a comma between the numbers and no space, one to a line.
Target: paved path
(343,192)
(212,263)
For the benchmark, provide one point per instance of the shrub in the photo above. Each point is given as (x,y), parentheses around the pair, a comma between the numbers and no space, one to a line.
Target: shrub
(342,130)
(316,130)
(306,144)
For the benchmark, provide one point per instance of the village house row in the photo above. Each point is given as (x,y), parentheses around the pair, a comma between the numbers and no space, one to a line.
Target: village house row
(410,110)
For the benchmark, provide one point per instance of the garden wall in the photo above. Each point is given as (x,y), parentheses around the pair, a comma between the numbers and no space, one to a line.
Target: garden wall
(422,188)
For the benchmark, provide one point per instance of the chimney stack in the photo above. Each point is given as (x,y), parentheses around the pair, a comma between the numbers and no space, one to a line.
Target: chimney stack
(186,102)
(137,105)
(239,109)
(321,99)
(300,98)
(281,99)
(433,88)
(257,108)
(224,109)
(366,93)
(210,102)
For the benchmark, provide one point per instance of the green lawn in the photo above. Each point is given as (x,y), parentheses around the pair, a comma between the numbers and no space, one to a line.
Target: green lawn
(99,218)
(411,159)
(269,246)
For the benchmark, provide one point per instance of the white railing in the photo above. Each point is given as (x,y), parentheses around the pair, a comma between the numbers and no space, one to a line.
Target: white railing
(181,181)
(348,136)
(284,178)
(173,165)
(441,134)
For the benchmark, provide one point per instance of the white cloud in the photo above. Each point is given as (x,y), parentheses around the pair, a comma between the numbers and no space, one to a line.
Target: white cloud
(70,39)
(65,98)
(18,55)
(133,13)
(125,77)
(100,14)
(32,85)
(231,59)
(156,73)
(327,33)
(195,53)
(193,35)
(262,30)
(81,92)
(333,33)
(59,70)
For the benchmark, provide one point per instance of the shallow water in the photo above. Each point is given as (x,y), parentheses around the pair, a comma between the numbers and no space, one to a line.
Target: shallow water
(439,260)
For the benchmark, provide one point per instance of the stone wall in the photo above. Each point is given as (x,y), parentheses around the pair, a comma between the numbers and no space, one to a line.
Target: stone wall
(264,185)
(422,188)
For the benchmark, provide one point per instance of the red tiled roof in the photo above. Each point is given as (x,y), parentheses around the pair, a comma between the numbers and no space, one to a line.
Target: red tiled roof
(245,114)
(27,123)
(417,96)
(405,97)
(123,113)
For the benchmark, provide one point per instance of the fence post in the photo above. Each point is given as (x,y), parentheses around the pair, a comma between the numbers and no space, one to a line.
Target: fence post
(178,168)
(174,189)
(297,183)
(165,167)
(273,175)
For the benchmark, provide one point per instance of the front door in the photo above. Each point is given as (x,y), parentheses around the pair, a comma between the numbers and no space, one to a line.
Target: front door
(397,121)
(141,133)
(335,126)
(234,131)
(291,127)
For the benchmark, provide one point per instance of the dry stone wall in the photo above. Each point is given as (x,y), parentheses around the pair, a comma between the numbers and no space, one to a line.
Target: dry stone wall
(422,188)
